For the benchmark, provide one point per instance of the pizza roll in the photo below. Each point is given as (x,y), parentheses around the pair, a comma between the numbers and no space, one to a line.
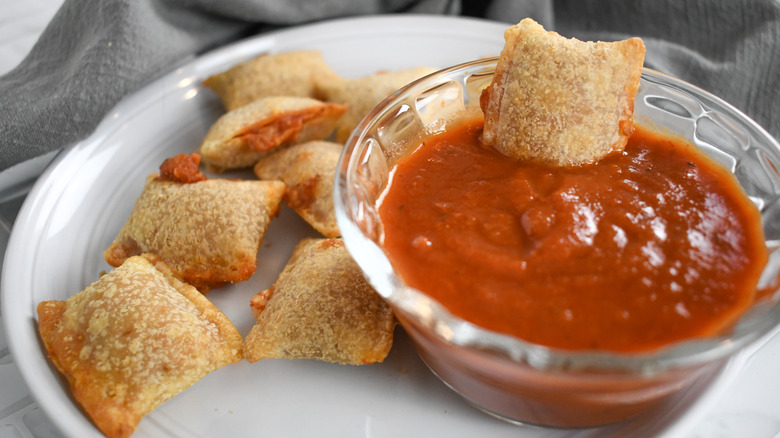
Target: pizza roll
(133,339)
(209,231)
(293,73)
(559,100)
(363,94)
(240,137)
(322,308)
(308,169)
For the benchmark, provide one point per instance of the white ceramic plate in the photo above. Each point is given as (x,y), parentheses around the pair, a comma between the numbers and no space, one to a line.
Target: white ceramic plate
(80,203)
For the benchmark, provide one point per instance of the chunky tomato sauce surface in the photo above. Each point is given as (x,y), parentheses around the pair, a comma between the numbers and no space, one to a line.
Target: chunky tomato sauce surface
(647,247)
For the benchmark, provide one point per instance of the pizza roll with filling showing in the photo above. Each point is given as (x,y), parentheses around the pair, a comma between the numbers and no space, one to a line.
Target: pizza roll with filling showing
(308,169)
(209,231)
(321,307)
(295,73)
(363,94)
(133,339)
(240,137)
(559,100)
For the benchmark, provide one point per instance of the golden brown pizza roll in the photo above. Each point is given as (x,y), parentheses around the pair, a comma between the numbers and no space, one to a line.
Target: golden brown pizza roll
(363,94)
(293,73)
(133,339)
(240,137)
(322,308)
(209,231)
(308,169)
(561,100)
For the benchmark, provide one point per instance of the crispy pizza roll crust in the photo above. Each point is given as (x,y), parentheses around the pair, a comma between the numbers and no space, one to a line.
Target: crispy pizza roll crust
(133,339)
(560,100)
(363,94)
(209,232)
(322,308)
(295,73)
(308,169)
(240,137)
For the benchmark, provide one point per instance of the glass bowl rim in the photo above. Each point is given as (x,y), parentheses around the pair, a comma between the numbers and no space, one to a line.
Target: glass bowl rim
(455,331)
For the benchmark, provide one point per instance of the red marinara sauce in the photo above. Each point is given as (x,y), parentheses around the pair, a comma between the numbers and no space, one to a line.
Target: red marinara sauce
(644,248)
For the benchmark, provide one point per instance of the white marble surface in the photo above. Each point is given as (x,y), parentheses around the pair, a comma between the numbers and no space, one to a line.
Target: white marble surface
(748,407)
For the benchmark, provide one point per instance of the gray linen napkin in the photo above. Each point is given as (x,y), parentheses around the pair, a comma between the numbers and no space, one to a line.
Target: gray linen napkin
(730,48)
(93,53)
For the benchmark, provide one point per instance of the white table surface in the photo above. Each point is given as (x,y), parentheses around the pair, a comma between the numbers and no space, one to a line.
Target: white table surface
(748,407)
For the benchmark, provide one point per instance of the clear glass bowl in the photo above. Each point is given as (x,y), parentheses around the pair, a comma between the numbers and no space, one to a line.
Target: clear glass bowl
(508,377)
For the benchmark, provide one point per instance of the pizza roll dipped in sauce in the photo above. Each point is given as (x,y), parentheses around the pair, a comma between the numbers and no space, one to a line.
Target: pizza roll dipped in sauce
(295,73)
(133,339)
(321,308)
(208,231)
(560,100)
(308,169)
(363,94)
(240,137)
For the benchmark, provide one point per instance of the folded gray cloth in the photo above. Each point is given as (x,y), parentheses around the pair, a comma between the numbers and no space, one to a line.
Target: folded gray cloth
(93,53)
(730,48)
